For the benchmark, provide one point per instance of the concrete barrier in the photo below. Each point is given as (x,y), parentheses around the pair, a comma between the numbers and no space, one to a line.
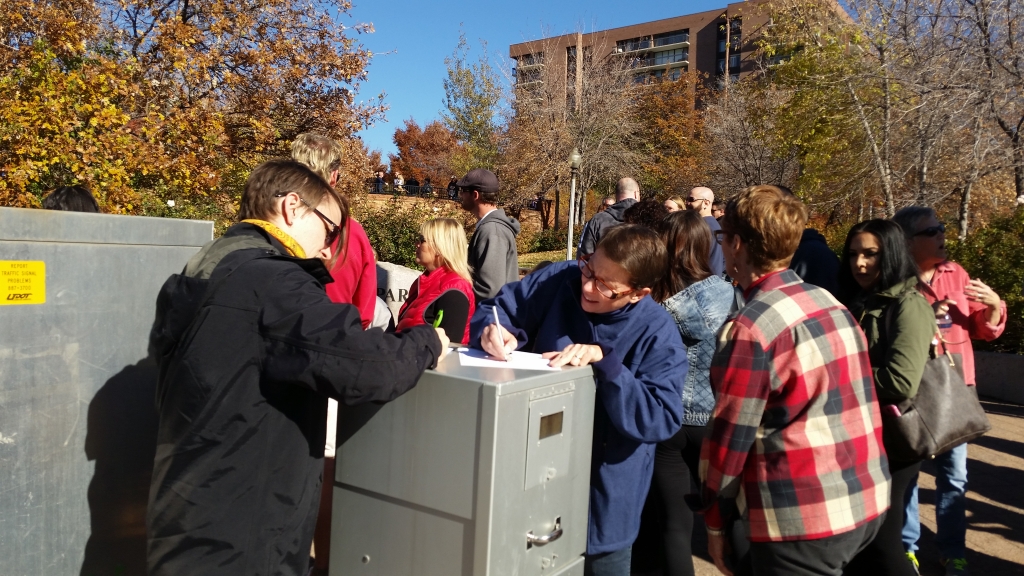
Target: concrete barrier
(1000,376)
(393,283)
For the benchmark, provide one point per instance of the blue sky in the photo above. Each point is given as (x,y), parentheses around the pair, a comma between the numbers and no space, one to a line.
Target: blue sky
(413,38)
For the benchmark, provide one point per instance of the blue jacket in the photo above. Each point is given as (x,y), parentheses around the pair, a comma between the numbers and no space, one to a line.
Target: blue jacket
(715,258)
(700,310)
(639,382)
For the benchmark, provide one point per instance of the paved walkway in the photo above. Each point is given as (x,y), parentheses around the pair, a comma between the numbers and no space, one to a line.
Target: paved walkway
(995,510)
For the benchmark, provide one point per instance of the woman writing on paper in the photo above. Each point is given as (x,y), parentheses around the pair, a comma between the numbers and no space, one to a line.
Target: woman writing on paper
(445,287)
(596,311)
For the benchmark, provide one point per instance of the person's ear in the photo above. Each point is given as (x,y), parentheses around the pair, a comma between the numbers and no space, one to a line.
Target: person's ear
(639,295)
(288,206)
(333,180)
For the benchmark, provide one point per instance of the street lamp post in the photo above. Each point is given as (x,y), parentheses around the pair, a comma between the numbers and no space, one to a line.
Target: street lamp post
(574,162)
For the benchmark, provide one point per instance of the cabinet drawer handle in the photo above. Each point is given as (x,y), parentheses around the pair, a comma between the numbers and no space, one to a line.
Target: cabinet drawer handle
(555,534)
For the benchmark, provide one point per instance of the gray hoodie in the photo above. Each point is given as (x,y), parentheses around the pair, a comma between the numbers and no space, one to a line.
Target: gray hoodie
(493,255)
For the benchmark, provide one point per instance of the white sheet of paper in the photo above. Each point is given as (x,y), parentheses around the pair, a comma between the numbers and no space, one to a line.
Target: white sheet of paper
(517,360)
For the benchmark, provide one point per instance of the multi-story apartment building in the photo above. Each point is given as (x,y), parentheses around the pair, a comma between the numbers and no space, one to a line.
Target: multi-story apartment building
(716,42)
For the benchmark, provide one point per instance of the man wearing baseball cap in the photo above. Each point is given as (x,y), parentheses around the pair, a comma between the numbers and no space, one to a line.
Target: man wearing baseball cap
(492,249)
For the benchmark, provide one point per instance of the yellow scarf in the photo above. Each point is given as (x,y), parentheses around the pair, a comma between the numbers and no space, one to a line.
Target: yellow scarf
(281,236)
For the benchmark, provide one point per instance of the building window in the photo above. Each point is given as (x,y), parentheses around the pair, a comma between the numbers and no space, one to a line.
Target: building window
(526,76)
(734,61)
(633,44)
(674,37)
(662,57)
(671,74)
(536,59)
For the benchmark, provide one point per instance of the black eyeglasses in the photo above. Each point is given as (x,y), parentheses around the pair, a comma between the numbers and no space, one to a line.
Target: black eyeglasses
(692,199)
(720,235)
(931,231)
(333,230)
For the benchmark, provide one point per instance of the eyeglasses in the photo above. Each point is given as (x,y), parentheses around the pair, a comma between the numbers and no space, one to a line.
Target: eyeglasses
(333,230)
(421,240)
(691,199)
(602,288)
(931,231)
(720,235)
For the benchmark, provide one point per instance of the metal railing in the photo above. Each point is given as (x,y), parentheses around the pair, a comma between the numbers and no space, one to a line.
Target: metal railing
(419,191)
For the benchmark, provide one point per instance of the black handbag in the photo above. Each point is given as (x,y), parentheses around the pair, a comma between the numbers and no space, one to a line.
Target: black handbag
(944,414)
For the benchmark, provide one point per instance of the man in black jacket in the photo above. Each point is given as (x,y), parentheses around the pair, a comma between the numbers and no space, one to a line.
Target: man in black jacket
(250,348)
(627,193)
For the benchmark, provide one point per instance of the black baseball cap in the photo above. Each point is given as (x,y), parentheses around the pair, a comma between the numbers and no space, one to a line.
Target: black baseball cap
(480,179)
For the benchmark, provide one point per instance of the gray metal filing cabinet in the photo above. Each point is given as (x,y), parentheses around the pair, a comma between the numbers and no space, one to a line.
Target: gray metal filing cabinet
(476,471)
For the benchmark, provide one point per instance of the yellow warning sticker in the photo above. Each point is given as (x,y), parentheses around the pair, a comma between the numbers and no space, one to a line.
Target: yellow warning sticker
(22,282)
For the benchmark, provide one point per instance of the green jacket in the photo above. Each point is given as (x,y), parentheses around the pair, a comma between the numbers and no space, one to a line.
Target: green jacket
(897,358)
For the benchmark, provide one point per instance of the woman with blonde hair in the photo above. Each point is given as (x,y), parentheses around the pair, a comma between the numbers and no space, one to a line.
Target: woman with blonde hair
(444,292)
(674,204)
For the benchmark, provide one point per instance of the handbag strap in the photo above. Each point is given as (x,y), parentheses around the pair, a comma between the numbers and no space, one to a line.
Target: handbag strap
(933,350)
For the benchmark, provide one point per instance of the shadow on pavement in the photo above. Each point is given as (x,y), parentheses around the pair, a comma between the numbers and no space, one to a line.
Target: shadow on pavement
(1002,409)
(1010,447)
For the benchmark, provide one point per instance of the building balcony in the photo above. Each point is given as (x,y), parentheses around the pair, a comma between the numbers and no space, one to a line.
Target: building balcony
(684,64)
(648,46)
(523,65)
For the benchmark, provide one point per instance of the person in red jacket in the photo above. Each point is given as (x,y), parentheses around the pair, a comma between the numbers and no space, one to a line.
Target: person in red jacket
(446,284)
(355,282)
(355,272)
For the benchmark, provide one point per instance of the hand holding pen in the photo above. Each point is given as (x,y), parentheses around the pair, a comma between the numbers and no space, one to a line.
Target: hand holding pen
(497,341)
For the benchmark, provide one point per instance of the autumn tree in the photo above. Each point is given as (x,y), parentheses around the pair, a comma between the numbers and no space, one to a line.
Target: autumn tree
(429,152)
(740,139)
(669,136)
(885,101)
(593,110)
(472,106)
(152,99)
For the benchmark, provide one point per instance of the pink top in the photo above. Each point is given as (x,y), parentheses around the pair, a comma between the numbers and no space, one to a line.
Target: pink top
(970,319)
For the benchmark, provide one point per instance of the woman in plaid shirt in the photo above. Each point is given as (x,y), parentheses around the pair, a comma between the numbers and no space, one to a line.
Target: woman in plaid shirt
(796,435)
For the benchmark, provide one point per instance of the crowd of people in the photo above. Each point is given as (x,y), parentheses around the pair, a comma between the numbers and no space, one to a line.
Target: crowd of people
(744,373)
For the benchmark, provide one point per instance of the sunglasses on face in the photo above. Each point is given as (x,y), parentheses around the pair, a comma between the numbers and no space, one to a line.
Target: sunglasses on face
(931,231)
(333,230)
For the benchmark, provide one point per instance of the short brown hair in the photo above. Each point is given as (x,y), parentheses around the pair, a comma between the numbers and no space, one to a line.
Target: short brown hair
(688,241)
(770,221)
(639,251)
(320,153)
(274,179)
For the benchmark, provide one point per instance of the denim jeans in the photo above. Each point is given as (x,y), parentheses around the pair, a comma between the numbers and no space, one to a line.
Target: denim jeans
(950,506)
(608,564)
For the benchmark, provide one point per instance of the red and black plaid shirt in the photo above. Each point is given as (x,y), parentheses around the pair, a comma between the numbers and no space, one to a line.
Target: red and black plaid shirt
(796,435)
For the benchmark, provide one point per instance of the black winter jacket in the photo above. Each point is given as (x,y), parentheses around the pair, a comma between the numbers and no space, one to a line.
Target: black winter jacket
(242,400)
(815,262)
(599,225)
